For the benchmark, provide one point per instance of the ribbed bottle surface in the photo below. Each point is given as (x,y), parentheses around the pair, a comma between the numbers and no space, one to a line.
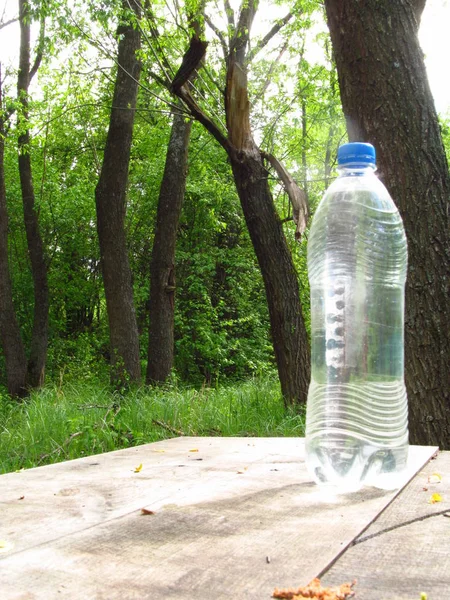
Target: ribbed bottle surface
(356,425)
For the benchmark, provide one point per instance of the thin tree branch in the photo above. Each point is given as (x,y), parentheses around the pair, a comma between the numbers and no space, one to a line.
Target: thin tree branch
(6,113)
(6,23)
(203,97)
(60,449)
(230,14)
(106,53)
(40,49)
(212,80)
(266,39)
(219,34)
(163,62)
(174,16)
(200,116)
(168,427)
(268,81)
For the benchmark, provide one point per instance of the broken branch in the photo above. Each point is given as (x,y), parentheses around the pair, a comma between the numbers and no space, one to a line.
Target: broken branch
(191,61)
(296,195)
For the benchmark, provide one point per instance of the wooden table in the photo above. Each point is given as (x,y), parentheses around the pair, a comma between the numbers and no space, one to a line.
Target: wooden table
(224,518)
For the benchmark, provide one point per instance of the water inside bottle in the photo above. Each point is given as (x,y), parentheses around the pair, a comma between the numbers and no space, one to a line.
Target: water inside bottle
(356,429)
(357,434)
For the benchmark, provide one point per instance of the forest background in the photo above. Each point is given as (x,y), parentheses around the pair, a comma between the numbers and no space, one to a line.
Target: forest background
(223,376)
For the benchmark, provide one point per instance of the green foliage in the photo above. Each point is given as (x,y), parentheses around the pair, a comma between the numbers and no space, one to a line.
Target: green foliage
(222,320)
(445,132)
(222,326)
(65,422)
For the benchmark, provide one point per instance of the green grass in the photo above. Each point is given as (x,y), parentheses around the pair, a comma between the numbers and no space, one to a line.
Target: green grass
(62,423)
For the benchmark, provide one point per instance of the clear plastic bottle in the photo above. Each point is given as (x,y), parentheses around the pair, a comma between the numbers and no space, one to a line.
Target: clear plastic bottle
(357,423)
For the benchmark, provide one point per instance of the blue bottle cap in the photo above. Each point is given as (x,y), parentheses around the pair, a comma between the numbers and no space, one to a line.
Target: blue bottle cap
(356,153)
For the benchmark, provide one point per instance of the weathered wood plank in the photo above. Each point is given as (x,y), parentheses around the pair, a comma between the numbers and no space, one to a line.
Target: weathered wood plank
(221,507)
(406,551)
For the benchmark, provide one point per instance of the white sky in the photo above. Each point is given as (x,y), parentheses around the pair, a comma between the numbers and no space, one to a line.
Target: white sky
(434,37)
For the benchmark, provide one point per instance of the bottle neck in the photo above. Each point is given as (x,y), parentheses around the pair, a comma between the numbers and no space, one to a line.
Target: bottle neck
(356,170)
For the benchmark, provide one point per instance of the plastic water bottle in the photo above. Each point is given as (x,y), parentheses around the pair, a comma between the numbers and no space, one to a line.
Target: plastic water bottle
(357,423)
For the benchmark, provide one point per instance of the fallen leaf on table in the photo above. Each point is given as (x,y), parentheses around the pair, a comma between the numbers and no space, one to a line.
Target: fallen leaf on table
(315,590)
(434,478)
(138,469)
(160,451)
(194,450)
(5,546)
(435,498)
(145,511)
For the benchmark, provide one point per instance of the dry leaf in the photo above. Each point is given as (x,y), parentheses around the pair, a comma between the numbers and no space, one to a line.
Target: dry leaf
(315,590)
(145,511)
(194,450)
(138,469)
(5,546)
(435,498)
(434,478)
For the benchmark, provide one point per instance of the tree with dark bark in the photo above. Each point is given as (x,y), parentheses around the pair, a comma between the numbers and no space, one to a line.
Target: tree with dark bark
(170,203)
(290,341)
(110,196)
(387,101)
(39,337)
(162,270)
(10,336)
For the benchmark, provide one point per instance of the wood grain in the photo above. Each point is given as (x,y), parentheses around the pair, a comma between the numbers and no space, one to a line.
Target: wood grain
(232,517)
(406,550)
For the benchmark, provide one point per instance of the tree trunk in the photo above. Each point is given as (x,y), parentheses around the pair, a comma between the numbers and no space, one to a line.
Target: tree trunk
(39,338)
(289,336)
(162,270)
(11,340)
(110,196)
(290,340)
(387,101)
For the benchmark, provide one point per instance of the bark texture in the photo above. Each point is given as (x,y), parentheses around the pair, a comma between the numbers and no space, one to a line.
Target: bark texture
(39,338)
(110,196)
(387,101)
(162,272)
(289,336)
(11,340)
